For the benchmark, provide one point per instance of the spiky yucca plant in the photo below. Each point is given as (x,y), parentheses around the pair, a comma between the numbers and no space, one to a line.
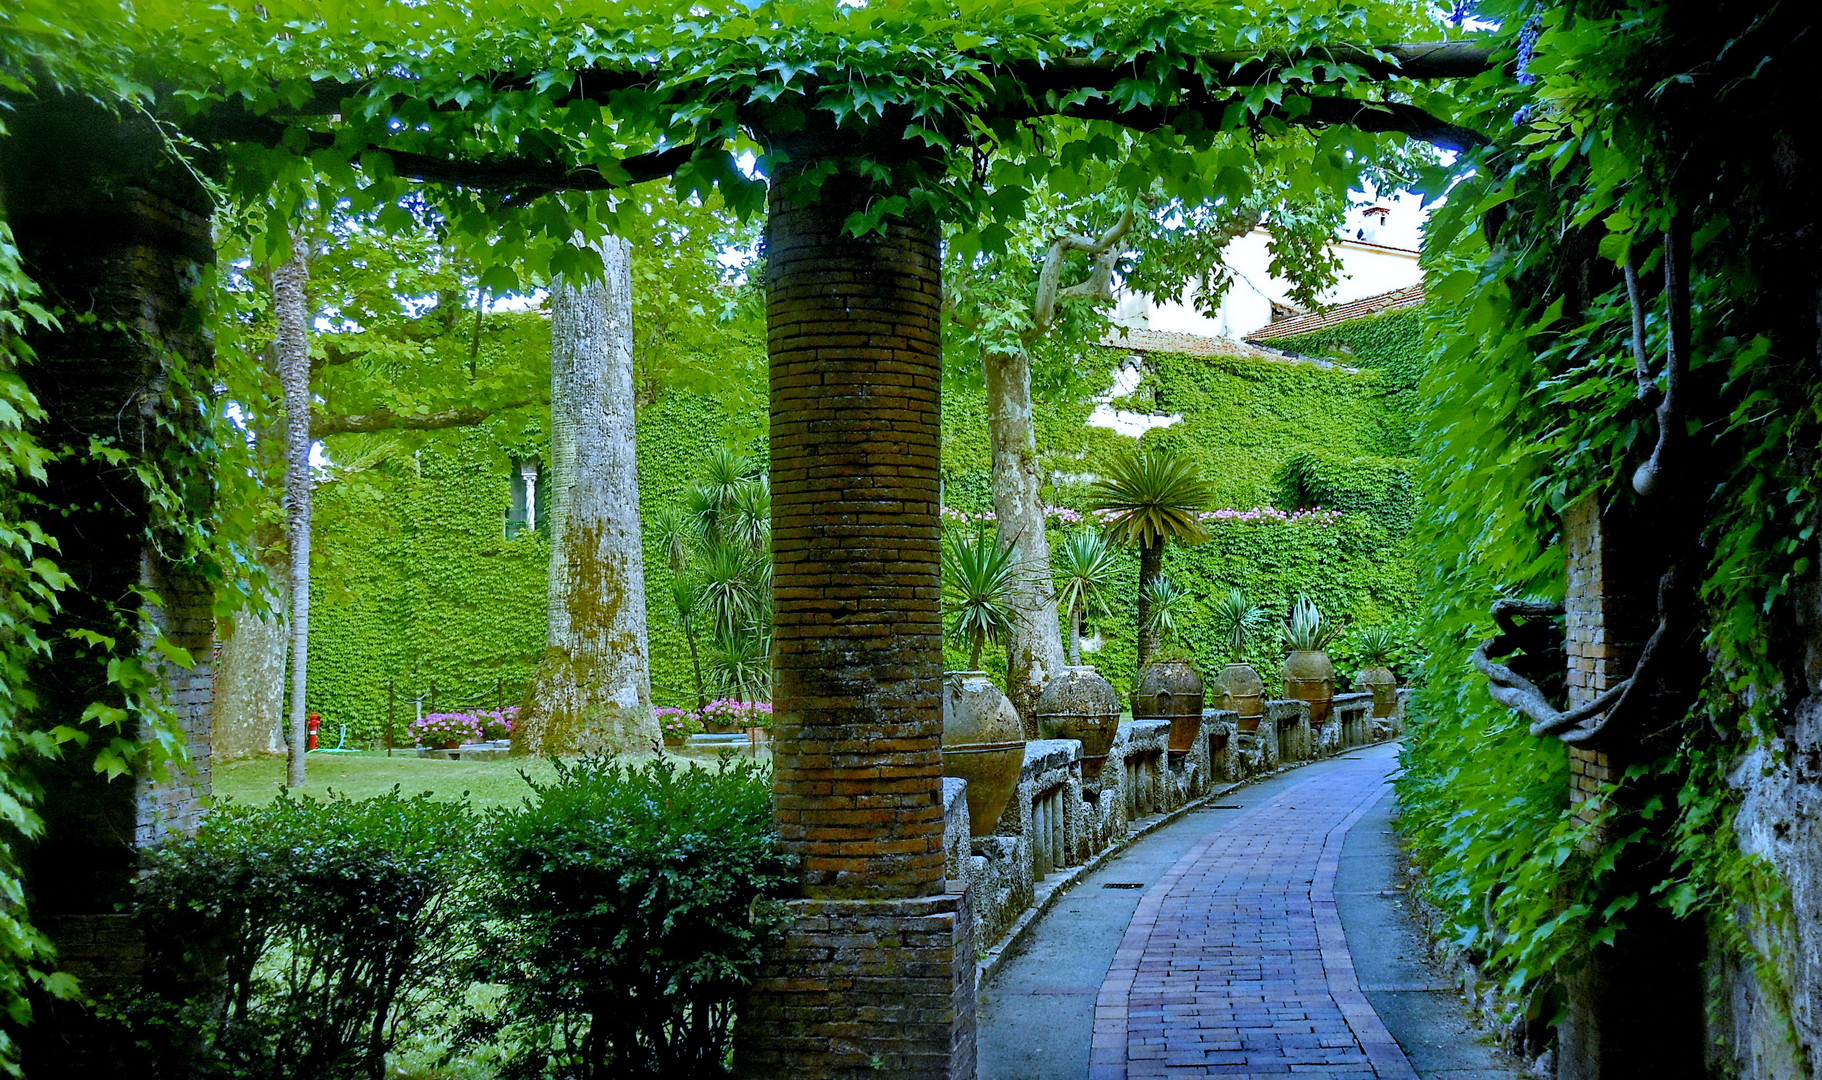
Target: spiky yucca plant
(977,575)
(1168,606)
(1238,621)
(1307,630)
(1375,645)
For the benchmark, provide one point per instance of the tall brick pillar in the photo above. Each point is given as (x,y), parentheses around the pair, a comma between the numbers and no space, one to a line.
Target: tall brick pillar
(1635,1006)
(116,234)
(876,975)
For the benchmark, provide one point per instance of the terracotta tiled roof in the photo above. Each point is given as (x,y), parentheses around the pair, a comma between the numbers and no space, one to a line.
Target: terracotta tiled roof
(1172,341)
(1340,313)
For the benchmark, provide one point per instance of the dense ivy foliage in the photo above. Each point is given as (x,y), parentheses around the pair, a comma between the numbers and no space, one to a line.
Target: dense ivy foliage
(417,578)
(1636,129)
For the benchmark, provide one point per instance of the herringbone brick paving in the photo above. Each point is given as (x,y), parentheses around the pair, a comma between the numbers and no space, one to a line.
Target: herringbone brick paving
(1235,965)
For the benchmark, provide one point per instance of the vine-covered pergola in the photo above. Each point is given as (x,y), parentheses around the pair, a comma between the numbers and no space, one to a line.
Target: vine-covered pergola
(859,130)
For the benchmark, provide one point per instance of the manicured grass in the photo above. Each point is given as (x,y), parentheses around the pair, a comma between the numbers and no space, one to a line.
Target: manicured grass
(486,783)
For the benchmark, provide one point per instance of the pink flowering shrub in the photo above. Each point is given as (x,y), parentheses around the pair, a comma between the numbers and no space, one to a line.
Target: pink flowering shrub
(437,728)
(496,724)
(677,723)
(1063,515)
(738,714)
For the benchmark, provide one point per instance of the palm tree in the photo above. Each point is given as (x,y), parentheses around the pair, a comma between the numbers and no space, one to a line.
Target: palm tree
(1147,498)
(676,533)
(1084,564)
(978,575)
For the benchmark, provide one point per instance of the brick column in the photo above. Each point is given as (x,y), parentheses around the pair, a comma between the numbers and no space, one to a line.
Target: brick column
(108,226)
(876,975)
(1635,1006)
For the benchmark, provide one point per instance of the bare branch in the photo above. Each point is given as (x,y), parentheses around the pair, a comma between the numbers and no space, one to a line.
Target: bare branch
(1514,691)
(1105,251)
(322,426)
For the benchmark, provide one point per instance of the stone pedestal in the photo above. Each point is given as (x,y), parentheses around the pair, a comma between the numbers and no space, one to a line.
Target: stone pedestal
(866,988)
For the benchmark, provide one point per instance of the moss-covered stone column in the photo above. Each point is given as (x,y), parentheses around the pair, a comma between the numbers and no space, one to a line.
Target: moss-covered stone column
(876,975)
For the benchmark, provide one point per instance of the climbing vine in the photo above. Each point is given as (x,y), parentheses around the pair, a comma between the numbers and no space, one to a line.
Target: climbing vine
(1633,128)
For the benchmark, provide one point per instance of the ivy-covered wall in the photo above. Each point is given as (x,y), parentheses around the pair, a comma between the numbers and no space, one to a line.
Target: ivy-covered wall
(1269,433)
(416,581)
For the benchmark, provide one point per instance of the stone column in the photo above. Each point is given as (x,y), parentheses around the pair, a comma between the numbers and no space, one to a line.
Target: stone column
(876,975)
(116,233)
(1635,1006)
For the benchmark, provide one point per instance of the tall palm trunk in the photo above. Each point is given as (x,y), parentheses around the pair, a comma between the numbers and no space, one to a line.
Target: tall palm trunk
(1151,561)
(292,349)
(592,692)
(1034,649)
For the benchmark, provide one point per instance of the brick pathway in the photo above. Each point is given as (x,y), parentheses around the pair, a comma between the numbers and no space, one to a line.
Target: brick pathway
(1234,964)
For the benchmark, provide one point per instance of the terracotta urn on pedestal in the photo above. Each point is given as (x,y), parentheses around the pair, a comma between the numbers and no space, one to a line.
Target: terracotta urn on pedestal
(1241,690)
(1171,690)
(983,743)
(1079,704)
(1310,676)
(1383,685)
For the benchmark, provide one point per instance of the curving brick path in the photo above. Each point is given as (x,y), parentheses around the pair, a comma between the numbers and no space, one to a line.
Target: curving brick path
(1235,965)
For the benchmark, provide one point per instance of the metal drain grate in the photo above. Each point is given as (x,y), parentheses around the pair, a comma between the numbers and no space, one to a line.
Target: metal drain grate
(1122,885)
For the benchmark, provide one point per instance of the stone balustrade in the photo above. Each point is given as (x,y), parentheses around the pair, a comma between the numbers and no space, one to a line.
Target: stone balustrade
(1055,824)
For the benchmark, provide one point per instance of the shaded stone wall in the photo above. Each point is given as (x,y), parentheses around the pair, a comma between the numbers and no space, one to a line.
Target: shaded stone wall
(1770,1029)
(117,236)
(1635,1006)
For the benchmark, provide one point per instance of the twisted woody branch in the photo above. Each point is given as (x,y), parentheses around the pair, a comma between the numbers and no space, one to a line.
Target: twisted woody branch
(1621,708)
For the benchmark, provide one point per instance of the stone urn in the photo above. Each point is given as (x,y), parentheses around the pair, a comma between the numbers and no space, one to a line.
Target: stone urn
(1079,704)
(1309,676)
(1241,690)
(983,743)
(1383,685)
(1171,690)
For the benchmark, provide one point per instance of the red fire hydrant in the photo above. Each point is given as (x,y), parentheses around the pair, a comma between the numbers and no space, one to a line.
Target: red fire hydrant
(312,722)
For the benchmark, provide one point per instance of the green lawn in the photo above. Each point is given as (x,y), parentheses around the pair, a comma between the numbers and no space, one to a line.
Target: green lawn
(485,783)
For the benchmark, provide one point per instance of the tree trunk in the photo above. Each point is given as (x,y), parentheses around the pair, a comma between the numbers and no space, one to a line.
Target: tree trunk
(1075,634)
(292,348)
(249,706)
(592,692)
(1151,561)
(1034,650)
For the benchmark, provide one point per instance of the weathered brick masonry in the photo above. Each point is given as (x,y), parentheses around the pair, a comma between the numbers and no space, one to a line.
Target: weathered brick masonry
(1635,1005)
(876,975)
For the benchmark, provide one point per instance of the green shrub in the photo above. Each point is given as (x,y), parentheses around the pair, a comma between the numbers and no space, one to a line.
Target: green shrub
(294,939)
(626,916)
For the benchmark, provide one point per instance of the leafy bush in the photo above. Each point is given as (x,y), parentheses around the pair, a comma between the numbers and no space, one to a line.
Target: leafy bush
(627,916)
(293,939)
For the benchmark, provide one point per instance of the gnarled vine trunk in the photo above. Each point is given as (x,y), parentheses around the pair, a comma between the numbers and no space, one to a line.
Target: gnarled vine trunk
(592,692)
(1034,650)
